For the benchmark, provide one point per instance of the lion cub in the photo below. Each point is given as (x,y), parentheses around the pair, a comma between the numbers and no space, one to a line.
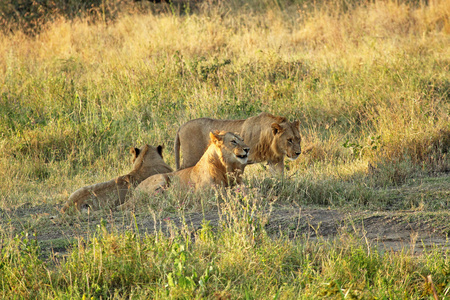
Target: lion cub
(222,164)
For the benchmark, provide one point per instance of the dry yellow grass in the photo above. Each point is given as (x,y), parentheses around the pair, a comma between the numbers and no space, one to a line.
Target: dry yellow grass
(374,69)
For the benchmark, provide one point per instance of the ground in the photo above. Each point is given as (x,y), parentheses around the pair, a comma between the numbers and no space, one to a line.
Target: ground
(388,230)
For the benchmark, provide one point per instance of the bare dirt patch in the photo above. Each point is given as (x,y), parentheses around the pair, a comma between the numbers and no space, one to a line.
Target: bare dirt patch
(410,230)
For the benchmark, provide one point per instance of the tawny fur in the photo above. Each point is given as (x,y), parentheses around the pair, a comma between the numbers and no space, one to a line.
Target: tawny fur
(146,162)
(222,164)
(269,137)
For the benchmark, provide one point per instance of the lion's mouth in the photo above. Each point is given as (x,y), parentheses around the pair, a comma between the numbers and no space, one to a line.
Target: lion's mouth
(293,157)
(242,158)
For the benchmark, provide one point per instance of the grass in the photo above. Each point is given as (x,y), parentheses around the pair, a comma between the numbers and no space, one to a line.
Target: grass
(236,260)
(369,82)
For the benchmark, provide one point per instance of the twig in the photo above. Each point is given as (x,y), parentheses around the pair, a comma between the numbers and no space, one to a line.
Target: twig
(430,281)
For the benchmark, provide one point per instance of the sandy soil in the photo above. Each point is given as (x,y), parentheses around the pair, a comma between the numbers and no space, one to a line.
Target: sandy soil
(410,230)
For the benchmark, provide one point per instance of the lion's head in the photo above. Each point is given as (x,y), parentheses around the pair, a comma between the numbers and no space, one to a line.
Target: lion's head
(287,139)
(148,161)
(146,153)
(232,147)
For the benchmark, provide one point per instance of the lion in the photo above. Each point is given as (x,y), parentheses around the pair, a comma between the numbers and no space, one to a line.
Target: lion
(269,137)
(222,164)
(146,162)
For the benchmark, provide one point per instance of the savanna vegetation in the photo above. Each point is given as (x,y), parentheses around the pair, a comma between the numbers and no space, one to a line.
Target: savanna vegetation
(81,82)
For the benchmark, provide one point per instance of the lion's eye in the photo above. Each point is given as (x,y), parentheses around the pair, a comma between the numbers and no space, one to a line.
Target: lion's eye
(233,142)
(290,141)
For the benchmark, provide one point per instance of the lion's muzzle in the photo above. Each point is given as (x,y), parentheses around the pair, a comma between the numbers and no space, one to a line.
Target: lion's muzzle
(295,156)
(243,157)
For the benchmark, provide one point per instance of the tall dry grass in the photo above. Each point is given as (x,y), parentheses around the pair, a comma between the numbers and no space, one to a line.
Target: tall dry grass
(369,81)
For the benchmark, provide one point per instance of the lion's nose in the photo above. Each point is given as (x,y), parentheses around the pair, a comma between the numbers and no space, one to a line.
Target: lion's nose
(298,153)
(246,150)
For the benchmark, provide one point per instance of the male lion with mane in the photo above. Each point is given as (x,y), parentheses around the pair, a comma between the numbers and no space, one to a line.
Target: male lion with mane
(222,164)
(269,137)
(146,162)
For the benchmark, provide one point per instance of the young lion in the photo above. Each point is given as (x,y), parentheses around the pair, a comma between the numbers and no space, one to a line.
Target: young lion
(222,164)
(269,137)
(146,162)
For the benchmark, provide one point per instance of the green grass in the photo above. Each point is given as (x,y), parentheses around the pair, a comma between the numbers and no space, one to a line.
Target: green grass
(368,81)
(236,260)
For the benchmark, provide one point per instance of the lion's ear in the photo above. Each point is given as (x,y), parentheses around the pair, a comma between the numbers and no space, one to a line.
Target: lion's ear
(276,128)
(160,150)
(297,125)
(215,137)
(135,152)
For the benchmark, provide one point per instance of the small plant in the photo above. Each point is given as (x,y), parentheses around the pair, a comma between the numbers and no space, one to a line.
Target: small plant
(359,150)
(21,269)
(181,277)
